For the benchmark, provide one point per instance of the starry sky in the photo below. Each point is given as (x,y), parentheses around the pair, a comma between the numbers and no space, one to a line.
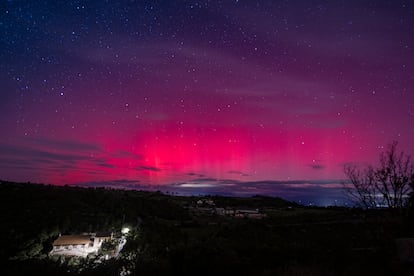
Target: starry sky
(210,97)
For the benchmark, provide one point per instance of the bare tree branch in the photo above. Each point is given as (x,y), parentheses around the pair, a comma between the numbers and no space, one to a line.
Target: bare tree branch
(390,184)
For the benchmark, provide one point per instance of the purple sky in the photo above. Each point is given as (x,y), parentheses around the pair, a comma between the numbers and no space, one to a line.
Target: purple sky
(227,97)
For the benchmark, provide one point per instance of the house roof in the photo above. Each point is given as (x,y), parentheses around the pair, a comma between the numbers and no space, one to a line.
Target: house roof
(72,240)
(103,234)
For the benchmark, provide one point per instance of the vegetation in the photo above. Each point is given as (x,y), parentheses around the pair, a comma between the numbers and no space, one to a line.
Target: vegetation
(33,215)
(387,185)
(169,237)
(108,247)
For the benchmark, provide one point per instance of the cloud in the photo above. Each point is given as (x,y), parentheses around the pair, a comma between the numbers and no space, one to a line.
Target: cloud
(65,145)
(238,173)
(206,179)
(48,156)
(195,185)
(196,174)
(104,164)
(126,154)
(319,192)
(317,166)
(16,152)
(148,168)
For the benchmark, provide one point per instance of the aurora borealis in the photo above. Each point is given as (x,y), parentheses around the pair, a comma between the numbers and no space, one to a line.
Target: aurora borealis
(232,97)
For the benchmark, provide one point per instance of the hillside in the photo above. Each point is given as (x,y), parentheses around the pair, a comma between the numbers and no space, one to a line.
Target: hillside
(174,235)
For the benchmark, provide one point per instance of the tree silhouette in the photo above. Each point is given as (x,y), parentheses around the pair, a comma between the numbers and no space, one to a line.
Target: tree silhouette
(387,185)
(363,189)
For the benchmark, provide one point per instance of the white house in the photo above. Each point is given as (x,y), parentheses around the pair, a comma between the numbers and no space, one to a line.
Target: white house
(78,245)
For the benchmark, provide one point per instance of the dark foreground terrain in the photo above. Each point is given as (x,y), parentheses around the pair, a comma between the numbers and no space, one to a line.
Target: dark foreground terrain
(173,235)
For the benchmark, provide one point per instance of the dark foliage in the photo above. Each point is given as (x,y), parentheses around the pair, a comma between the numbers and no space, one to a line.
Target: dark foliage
(168,239)
(33,215)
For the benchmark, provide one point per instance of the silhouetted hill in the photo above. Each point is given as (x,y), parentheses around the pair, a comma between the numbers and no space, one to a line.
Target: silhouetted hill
(40,212)
(36,211)
(174,235)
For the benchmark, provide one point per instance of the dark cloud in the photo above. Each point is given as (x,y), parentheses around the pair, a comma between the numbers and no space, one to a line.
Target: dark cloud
(38,154)
(196,174)
(317,192)
(14,162)
(104,164)
(126,154)
(204,179)
(49,156)
(148,168)
(295,182)
(238,173)
(317,166)
(66,145)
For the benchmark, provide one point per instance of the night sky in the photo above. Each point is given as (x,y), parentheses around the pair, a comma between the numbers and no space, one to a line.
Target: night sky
(210,97)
